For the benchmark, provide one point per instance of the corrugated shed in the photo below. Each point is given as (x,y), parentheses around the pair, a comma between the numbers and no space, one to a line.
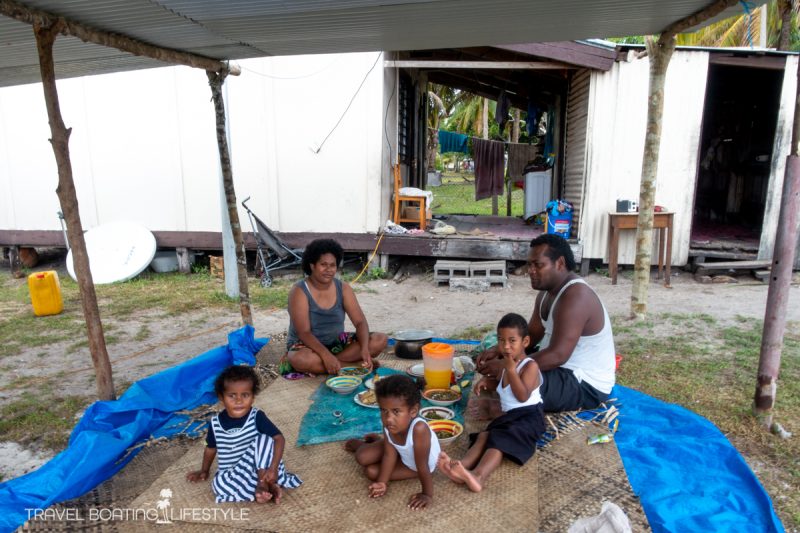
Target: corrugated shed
(575,151)
(237,29)
(780,150)
(617,123)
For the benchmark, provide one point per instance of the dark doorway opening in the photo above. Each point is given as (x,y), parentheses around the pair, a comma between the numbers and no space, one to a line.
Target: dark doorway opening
(739,121)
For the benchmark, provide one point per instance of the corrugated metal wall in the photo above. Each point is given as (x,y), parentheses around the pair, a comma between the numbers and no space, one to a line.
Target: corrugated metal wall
(575,150)
(616,131)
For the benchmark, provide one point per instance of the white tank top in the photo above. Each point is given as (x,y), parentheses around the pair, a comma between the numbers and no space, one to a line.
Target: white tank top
(592,360)
(507,399)
(406,451)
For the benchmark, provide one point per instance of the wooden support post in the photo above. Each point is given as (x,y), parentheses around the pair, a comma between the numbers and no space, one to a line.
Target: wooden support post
(45,38)
(780,279)
(184,261)
(659,53)
(215,81)
(14,262)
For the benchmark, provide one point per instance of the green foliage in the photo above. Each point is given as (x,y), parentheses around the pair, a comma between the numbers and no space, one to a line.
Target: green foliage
(456,195)
(36,414)
(374,273)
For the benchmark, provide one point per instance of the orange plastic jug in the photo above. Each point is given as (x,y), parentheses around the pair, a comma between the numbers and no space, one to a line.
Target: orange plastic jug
(437,360)
(45,293)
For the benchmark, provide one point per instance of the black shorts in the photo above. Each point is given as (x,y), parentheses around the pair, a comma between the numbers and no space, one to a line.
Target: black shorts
(515,433)
(561,391)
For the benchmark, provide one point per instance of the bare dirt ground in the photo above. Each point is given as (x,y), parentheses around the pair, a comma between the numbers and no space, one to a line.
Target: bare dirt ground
(416,302)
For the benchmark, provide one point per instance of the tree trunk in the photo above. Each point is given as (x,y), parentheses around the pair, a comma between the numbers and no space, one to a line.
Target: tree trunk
(780,279)
(659,53)
(45,38)
(215,81)
(785,10)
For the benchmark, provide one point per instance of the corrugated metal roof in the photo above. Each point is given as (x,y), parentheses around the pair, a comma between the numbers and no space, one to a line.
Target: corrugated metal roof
(251,28)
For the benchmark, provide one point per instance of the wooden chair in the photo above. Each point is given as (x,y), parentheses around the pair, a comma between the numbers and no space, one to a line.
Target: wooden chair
(400,199)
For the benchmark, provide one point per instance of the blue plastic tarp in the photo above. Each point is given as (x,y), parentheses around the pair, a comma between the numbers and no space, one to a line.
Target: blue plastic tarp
(109,428)
(687,474)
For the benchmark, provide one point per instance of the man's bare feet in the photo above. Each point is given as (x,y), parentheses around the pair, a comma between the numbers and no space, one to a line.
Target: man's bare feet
(275,491)
(457,471)
(263,494)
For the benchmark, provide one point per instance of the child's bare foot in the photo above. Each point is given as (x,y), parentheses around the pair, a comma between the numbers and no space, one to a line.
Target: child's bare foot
(351,445)
(275,491)
(458,472)
(263,494)
(444,464)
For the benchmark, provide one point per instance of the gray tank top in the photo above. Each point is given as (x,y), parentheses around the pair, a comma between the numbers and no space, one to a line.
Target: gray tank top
(326,324)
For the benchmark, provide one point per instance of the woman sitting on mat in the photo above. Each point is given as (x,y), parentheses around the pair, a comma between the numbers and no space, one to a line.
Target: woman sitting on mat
(514,433)
(317,342)
(406,437)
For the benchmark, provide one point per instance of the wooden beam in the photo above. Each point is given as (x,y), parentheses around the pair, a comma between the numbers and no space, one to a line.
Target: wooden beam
(45,38)
(517,65)
(85,33)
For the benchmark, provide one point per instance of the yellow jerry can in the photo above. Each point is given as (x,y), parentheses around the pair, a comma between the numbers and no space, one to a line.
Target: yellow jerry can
(45,293)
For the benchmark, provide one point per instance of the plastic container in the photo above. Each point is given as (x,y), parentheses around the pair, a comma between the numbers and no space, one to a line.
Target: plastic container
(559,218)
(437,360)
(45,293)
(537,192)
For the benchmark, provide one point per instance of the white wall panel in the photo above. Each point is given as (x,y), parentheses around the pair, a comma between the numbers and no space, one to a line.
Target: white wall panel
(618,115)
(143,147)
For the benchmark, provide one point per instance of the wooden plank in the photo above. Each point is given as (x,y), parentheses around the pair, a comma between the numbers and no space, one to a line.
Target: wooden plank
(751,61)
(516,65)
(491,247)
(723,254)
(734,265)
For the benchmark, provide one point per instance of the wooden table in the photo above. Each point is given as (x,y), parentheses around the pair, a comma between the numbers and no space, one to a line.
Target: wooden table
(661,221)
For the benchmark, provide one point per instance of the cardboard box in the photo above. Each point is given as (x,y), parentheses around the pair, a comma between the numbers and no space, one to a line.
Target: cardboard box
(413,212)
(216,265)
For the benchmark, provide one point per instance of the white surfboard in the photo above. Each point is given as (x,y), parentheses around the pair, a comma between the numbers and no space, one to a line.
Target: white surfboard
(118,251)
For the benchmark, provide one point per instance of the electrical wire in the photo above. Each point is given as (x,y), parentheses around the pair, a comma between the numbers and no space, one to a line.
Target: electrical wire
(369,261)
(350,104)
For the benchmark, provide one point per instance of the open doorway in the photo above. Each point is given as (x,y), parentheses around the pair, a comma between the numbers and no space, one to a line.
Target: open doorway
(739,121)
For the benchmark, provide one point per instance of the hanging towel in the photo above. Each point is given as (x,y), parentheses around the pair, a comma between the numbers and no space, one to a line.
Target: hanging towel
(532,122)
(452,142)
(501,110)
(489,167)
(519,155)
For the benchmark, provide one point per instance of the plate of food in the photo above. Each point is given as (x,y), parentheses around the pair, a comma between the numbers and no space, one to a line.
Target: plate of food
(357,371)
(366,399)
(436,413)
(441,397)
(370,383)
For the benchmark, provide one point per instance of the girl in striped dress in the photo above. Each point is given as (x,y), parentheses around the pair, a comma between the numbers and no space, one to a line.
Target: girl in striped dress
(247,445)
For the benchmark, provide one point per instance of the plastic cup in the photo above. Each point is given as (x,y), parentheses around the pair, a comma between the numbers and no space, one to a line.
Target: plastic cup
(437,360)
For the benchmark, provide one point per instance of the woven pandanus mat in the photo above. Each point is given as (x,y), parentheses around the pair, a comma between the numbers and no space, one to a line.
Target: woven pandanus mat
(576,478)
(334,494)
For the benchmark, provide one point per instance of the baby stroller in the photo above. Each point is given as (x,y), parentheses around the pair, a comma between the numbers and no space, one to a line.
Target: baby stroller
(277,256)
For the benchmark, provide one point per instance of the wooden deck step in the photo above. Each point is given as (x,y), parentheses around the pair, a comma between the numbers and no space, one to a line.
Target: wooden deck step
(734,265)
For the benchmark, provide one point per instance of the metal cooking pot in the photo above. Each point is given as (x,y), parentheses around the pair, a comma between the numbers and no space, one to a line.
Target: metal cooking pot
(408,343)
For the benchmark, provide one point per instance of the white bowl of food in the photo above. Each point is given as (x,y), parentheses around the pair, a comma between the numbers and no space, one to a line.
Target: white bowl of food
(436,413)
(343,384)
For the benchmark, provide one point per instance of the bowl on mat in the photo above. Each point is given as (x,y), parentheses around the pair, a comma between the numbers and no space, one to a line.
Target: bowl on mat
(343,384)
(354,371)
(441,397)
(436,413)
(446,430)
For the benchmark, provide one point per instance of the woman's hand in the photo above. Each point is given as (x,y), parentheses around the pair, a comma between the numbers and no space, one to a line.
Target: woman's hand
(419,501)
(377,489)
(485,384)
(366,360)
(197,475)
(332,365)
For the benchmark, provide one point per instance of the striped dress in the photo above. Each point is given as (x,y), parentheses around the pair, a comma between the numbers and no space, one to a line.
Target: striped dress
(240,453)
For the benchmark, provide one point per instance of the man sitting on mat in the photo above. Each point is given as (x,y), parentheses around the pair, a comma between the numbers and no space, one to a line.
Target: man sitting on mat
(317,342)
(571,326)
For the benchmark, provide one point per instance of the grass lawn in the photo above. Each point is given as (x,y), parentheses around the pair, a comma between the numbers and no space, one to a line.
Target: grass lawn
(456,196)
